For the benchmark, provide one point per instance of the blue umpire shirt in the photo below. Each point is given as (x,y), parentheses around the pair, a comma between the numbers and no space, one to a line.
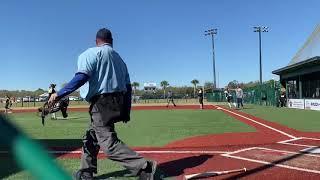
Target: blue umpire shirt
(106,70)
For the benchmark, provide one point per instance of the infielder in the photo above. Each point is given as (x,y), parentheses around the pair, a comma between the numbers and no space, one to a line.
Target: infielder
(170,99)
(200,95)
(108,89)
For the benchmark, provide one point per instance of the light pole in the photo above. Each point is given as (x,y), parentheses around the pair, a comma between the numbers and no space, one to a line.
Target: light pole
(260,29)
(212,33)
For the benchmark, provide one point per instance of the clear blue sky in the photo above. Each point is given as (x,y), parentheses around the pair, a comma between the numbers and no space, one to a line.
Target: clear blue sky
(159,40)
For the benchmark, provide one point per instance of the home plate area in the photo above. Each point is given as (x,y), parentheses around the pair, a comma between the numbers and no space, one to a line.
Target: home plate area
(301,161)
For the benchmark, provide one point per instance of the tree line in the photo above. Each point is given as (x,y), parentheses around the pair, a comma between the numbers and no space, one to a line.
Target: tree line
(190,91)
(179,92)
(24,93)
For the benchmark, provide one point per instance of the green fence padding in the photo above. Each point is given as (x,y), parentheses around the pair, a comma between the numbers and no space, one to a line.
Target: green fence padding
(29,154)
(265,94)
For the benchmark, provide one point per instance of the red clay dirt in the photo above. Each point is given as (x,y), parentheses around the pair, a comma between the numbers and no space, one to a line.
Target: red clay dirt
(178,164)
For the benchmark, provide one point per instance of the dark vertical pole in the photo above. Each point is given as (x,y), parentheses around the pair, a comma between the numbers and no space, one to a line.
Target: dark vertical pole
(260,65)
(300,88)
(214,62)
(260,54)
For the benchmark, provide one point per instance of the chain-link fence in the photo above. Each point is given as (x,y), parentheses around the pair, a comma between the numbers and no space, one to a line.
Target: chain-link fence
(147,98)
(161,98)
(266,94)
(36,103)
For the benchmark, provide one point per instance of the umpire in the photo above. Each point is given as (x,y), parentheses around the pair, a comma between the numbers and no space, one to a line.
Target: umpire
(108,89)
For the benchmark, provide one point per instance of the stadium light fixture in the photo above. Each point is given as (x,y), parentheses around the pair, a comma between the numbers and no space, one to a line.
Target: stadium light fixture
(212,33)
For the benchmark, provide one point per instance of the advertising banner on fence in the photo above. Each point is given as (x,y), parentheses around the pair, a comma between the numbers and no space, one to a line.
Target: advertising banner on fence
(296,103)
(312,104)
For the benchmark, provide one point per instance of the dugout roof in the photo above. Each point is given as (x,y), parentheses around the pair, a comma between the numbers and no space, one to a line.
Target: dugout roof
(306,60)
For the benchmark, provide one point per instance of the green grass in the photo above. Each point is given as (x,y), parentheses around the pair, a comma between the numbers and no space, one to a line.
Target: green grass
(106,168)
(302,120)
(147,128)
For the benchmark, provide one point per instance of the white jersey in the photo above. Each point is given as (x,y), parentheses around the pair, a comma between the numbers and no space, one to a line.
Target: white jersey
(227,94)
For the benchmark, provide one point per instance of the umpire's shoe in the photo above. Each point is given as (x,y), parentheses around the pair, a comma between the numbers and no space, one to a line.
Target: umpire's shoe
(81,175)
(149,172)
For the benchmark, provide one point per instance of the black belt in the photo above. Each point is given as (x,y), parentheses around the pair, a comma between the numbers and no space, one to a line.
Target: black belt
(114,94)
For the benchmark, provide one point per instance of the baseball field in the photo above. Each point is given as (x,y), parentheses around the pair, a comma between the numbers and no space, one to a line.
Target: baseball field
(269,142)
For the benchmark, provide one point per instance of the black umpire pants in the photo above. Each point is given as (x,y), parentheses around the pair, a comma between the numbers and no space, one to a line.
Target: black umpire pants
(105,110)
(239,102)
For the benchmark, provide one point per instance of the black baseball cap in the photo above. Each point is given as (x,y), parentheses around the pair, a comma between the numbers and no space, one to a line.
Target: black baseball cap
(104,34)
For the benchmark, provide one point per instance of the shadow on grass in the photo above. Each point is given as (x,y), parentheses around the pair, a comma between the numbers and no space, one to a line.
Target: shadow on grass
(61,144)
(171,168)
(7,166)
(67,144)
(65,119)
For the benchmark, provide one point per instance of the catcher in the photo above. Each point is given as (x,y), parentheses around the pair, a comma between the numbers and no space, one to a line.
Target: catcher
(60,105)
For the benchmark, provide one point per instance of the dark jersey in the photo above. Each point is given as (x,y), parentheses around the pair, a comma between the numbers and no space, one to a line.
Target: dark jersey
(228,96)
(7,103)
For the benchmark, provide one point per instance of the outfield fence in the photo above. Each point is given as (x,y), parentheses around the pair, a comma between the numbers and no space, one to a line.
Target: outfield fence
(39,104)
(266,94)
(149,100)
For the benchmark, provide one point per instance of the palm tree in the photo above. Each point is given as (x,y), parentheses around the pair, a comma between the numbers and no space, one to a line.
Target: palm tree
(194,82)
(135,85)
(164,84)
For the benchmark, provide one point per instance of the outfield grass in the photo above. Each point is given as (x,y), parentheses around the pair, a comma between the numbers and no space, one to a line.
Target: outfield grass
(147,128)
(302,120)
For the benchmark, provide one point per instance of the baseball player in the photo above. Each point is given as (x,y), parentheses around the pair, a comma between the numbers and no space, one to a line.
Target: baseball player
(229,98)
(51,91)
(283,99)
(61,105)
(200,95)
(108,89)
(170,99)
(8,104)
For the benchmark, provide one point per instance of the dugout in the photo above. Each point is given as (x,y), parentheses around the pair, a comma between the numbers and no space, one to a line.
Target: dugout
(301,78)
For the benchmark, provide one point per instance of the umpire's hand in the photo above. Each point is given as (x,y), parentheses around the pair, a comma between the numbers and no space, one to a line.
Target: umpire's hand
(53,98)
